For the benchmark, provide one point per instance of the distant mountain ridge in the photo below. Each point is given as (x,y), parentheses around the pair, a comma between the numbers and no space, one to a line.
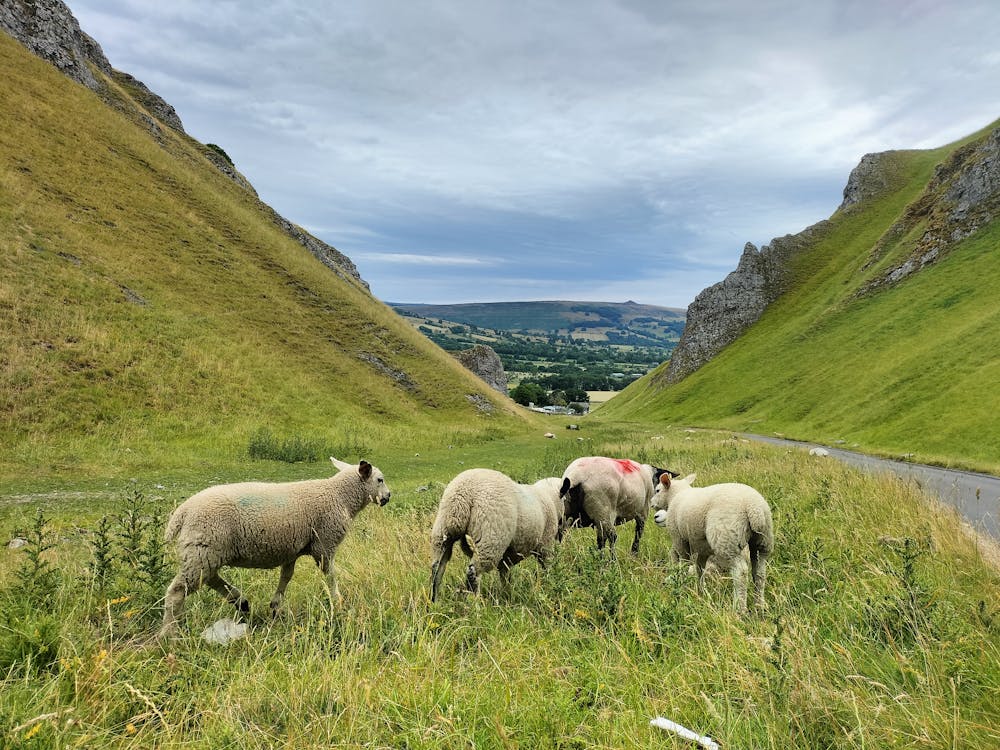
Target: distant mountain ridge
(613,322)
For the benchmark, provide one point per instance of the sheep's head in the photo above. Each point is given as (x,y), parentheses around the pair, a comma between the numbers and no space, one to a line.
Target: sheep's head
(374,483)
(666,488)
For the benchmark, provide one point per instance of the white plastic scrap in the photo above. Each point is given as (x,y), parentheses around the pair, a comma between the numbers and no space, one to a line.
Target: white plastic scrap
(225,630)
(706,742)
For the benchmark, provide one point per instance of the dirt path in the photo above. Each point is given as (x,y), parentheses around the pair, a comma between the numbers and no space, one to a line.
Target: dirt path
(975,496)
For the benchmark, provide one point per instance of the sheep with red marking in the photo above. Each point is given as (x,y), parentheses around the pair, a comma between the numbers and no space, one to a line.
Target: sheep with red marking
(605,492)
(721,522)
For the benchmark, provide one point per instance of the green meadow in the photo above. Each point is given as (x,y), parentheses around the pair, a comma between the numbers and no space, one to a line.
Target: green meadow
(881,628)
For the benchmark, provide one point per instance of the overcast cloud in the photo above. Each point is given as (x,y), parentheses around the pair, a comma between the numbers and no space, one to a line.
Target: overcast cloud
(605,150)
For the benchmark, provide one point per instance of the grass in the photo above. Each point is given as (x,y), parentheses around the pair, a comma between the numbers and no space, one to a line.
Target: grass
(881,627)
(907,370)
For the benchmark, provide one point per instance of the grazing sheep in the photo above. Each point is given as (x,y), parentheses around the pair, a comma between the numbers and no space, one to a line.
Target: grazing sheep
(604,492)
(718,521)
(497,521)
(265,525)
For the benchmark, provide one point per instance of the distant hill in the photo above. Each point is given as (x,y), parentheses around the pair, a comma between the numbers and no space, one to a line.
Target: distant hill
(154,311)
(878,328)
(626,323)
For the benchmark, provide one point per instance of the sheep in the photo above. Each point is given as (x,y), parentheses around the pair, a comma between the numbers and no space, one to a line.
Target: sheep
(497,521)
(718,522)
(604,492)
(265,525)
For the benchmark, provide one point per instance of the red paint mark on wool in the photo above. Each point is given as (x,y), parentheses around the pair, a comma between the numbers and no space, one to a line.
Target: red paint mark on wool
(625,466)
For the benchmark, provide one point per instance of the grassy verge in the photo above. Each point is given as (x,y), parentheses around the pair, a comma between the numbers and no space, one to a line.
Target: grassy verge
(881,629)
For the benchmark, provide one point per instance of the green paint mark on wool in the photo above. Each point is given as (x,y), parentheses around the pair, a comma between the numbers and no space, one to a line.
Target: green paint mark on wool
(257,501)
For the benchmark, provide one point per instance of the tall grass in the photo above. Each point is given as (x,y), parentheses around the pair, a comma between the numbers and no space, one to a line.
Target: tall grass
(881,629)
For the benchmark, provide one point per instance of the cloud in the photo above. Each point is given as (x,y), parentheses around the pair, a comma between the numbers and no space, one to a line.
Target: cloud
(638,137)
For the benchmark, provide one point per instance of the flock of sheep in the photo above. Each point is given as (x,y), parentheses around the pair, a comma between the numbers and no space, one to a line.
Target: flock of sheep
(496,521)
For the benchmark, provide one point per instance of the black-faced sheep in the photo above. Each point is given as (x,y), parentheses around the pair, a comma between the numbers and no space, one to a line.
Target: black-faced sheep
(265,525)
(497,521)
(604,492)
(718,521)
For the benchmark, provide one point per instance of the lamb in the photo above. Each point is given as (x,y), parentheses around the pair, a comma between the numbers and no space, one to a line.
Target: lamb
(719,521)
(504,521)
(604,492)
(265,525)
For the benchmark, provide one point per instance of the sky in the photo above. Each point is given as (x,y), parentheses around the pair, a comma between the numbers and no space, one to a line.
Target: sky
(593,150)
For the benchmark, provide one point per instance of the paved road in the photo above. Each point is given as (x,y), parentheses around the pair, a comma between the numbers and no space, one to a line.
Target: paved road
(976,496)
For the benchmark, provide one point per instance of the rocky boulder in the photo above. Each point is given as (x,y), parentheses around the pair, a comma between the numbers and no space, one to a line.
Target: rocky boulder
(485,363)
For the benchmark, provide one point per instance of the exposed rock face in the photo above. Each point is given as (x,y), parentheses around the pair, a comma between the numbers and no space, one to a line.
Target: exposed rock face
(725,310)
(485,363)
(962,197)
(867,180)
(49,29)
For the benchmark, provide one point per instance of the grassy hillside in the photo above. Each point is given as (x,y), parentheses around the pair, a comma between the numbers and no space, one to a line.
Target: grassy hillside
(909,369)
(151,313)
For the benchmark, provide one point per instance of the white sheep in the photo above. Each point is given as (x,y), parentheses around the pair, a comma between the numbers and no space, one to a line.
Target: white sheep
(604,492)
(265,525)
(719,521)
(497,521)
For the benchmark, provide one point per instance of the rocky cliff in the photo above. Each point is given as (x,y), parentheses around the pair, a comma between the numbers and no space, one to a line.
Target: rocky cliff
(49,29)
(485,363)
(720,313)
(963,196)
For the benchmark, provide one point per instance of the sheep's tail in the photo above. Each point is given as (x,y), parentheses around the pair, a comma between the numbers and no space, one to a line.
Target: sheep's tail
(175,524)
(761,529)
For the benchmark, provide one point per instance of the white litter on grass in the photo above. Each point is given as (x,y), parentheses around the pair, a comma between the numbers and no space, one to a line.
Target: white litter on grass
(819,452)
(225,630)
(670,726)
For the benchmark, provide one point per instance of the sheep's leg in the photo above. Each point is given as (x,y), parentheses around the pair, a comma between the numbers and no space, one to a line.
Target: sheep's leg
(759,571)
(640,524)
(326,566)
(738,570)
(471,579)
(229,592)
(438,566)
(287,570)
(606,533)
(700,561)
(184,583)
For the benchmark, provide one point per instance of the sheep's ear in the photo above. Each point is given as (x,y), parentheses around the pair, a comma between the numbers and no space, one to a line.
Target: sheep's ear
(364,469)
(565,486)
(690,478)
(340,464)
(665,480)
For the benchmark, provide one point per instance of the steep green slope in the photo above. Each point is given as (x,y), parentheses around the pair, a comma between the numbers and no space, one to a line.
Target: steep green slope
(906,369)
(153,313)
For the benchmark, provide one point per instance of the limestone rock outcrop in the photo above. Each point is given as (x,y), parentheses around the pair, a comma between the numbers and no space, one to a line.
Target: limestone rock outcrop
(485,362)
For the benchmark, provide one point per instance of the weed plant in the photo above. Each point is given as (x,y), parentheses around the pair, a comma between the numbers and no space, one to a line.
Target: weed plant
(881,627)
